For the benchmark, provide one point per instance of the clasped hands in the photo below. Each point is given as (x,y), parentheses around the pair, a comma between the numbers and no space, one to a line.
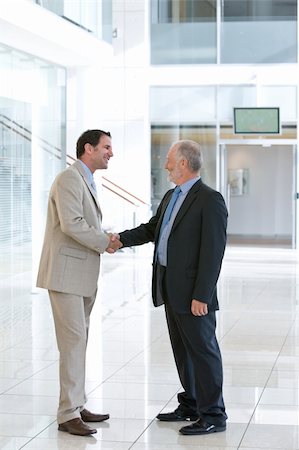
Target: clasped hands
(114,243)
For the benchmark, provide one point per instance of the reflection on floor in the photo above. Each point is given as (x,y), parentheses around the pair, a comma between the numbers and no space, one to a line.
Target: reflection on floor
(260,241)
(131,372)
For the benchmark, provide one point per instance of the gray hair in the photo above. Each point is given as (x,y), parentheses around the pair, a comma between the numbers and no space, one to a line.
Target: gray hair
(191,151)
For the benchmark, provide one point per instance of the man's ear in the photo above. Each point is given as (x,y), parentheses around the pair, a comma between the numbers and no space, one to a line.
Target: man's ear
(184,162)
(88,148)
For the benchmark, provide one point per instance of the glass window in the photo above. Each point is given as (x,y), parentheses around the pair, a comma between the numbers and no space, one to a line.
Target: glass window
(32,143)
(179,104)
(259,31)
(231,96)
(283,97)
(263,10)
(183,32)
(181,112)
(162,137)
(167,11)
(94,17)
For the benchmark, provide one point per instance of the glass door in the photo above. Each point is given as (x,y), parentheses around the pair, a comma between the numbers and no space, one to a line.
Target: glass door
(258,181)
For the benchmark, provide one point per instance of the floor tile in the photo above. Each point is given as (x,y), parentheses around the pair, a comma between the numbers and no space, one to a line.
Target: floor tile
(271,437)
(13,443)
(23,425)
(130,369)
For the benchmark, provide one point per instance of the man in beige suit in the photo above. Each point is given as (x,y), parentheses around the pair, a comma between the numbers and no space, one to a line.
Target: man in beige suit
(69,269)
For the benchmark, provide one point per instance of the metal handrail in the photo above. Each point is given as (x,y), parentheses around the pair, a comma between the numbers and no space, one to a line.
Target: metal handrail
(27,134)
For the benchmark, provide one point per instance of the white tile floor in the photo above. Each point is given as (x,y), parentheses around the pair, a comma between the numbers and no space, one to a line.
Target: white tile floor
(131,373)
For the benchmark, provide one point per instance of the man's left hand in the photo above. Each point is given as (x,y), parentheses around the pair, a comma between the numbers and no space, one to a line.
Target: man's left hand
(199,308)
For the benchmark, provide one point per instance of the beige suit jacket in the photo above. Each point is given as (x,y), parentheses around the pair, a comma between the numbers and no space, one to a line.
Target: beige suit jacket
(74,239)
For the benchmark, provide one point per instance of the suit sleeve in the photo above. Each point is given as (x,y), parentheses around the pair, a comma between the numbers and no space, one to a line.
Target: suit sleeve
(142,234)
(146,232)
(69,200)
(212,247)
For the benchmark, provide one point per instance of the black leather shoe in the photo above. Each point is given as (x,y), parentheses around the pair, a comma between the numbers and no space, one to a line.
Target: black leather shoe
(177,415)
(88,416)
(202,427)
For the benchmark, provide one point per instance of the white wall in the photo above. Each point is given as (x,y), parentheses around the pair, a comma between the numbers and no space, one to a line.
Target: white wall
(113,95)
(124,108)
(267,207)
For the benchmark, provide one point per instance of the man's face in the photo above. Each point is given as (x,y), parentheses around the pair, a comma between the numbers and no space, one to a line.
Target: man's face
(101,153)
(173,165)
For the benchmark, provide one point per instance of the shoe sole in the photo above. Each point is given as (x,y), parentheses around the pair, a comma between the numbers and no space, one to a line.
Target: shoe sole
(183,419)
(61,428)
(95,421)
(196,433)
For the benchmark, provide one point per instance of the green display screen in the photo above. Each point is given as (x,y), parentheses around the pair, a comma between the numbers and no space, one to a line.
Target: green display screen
(256,121)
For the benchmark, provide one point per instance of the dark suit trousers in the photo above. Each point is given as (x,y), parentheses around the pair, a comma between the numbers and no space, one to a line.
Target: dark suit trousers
(198,362)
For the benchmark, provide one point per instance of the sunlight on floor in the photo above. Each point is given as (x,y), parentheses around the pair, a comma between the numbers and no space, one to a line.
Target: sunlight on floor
(130,368)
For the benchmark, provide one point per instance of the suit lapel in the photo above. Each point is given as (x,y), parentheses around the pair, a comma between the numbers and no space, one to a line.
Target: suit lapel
(191,196)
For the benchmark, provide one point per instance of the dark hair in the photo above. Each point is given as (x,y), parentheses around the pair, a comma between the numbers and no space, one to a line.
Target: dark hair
(91,137)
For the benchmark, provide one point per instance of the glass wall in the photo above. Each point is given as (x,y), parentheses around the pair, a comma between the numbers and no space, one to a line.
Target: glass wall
(283,97)
(250,31)
(162,137)
(32,143)
(205,114)
(94,17)
(258,31)
(183,32)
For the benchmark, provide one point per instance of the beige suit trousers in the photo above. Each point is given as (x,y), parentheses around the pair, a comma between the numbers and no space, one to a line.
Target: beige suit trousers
(71,318)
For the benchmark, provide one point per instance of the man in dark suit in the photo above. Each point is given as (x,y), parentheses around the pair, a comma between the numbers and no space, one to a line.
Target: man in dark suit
(189,231)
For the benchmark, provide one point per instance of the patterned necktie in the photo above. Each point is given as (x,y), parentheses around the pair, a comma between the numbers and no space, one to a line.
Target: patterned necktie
(170,207)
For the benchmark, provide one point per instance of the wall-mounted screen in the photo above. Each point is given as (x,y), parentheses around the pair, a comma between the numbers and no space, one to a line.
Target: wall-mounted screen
(256,121)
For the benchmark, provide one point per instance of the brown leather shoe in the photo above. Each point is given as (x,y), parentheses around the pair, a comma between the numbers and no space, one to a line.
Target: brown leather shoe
(76,426)
(87,416)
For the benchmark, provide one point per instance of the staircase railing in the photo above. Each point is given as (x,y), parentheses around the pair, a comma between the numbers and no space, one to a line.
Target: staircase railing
(108,184)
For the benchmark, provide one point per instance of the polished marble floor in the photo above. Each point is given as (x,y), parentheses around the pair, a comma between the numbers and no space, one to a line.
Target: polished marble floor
(130,368)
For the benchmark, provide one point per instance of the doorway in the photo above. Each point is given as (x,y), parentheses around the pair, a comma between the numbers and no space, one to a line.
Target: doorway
(259,186)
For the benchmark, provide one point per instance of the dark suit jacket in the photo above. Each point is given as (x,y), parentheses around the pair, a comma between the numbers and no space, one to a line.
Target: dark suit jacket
(195,248)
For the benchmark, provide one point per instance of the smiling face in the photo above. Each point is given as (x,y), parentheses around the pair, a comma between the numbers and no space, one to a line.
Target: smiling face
(183,161)
(97,157)
(174,166)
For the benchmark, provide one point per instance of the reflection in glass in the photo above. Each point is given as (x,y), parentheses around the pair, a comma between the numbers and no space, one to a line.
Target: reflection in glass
(183,32)
(162,137)
(259,31)
(92,16)
(32,136)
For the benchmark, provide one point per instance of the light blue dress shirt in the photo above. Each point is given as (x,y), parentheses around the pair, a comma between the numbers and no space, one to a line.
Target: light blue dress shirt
(163,239)
(89,175)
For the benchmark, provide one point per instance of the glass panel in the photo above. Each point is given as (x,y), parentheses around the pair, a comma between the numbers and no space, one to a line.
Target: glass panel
(283,97)
(268,10)
(94,17)
(32,134)
(162,138)
(231,96)
(254,191)
(259,31)
(183,32)
(165,11)
(84,14)
(182,104)
(56,6)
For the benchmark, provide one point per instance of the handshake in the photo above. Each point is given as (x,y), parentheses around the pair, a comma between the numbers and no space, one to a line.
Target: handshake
(114,243)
